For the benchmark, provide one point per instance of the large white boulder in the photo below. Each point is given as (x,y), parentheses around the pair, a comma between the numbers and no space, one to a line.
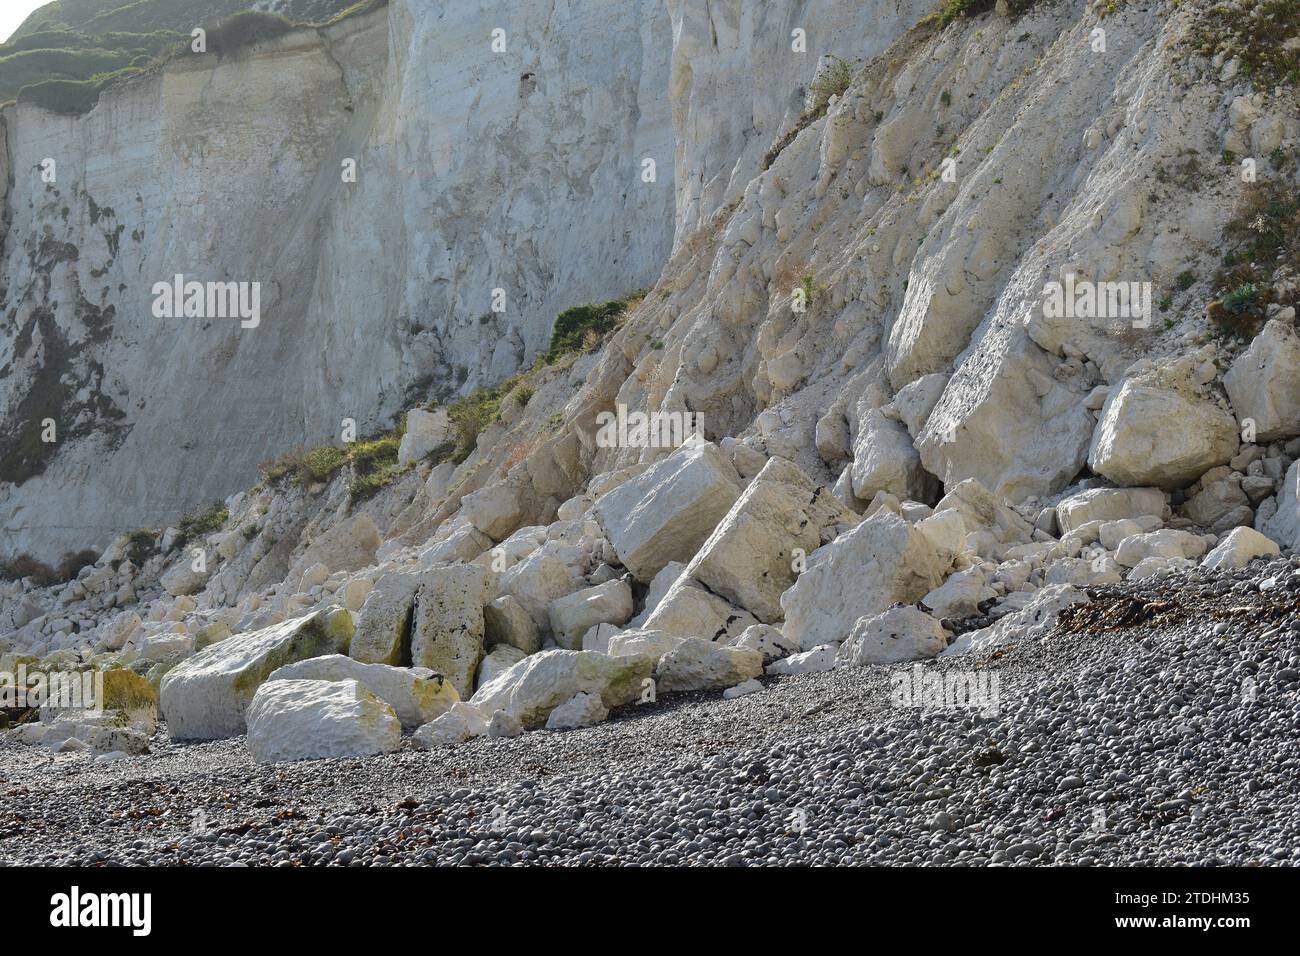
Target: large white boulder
(1108,504)
(1239,548)
(638,642)
(498,660)
(884,459)
(767,640)
(690,610)
(881,562)
(506,622)
(1032,622)
(574,614)
(447,624)
(312,719)
(899,634)
(416,694)
(749,558)
(1155,431)
(1283,524)
(425,433)
(531,689)
(461,722)
(183,578)
(991,525)
(1264,383)
(959,596)
(916,400)
(206,696)
(494,510)
(1165,543)
(550,572)
(383,634)
(818,660)
(668,511)
(697,664)
(580,710)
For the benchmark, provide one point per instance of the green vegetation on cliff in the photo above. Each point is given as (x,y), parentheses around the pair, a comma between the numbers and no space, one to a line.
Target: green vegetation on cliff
(66,53)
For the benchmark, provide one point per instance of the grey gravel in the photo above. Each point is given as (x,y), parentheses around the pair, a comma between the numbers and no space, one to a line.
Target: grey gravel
(1158,725)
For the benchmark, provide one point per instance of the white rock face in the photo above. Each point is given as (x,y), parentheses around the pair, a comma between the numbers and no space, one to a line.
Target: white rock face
(959,596)
(1166,543)
(1152,432)
(767,640)
(205,697)
(696,664)
(819,660)
(573,615)
(885,460)
(416,694)
(506,622)
(311,719)
(383,634)
(447,627)
(1264,383)
(899,634)
(425,432)
(1108,504)
(387,277)
(1031,622)
(668,511)
(749,557)
(459,724)
(499,660)
(580,710)
(531,689)
(689,610)
(882,561)
(1283,525)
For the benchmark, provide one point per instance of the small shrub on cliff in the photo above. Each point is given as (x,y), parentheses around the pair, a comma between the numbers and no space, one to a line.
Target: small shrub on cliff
(374,465)
(25,566)
(197,525)
(1263,237)
(582,327)
(831,81)
(142,544)
(73,97)
(1255,33)
(365,6)
(72,563)
(949,10)
(245,29)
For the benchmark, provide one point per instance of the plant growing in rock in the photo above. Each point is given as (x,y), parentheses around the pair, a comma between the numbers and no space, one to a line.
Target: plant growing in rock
(25,566)
(196,525)
(72,563)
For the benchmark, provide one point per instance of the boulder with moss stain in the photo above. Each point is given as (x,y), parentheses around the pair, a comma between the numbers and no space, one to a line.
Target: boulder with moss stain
(206,696)
(531,689)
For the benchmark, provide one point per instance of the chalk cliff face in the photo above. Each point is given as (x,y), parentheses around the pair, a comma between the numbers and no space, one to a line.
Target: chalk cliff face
(959,168)
(476,171)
